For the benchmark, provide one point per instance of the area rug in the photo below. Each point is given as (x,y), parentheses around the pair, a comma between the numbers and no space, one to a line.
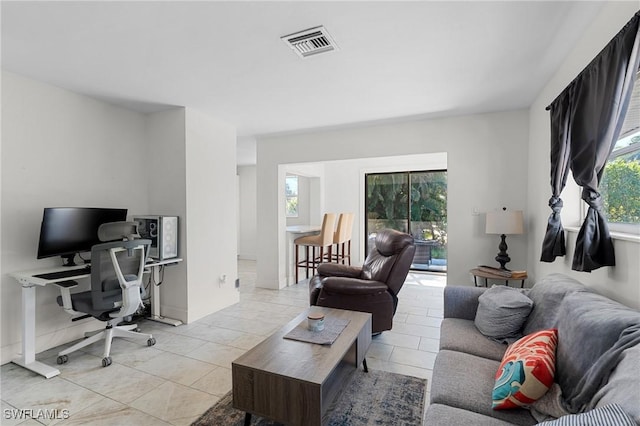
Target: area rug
(373,398)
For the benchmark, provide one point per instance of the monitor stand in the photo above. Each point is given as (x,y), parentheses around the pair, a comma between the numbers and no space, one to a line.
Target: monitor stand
(68,260)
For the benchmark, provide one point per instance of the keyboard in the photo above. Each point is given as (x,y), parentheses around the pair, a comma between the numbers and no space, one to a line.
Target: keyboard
(64,274)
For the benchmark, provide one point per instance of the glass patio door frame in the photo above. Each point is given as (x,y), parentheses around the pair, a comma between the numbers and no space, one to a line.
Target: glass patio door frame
(408,182)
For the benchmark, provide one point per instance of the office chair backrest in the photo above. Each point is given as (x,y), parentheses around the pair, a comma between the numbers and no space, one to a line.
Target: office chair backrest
(118,231)
(116,271)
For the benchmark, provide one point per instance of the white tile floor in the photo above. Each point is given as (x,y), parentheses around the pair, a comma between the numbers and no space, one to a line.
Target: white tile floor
(189,369)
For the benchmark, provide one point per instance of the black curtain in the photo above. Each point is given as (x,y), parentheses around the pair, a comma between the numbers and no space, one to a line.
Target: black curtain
(553,244)
(586,119)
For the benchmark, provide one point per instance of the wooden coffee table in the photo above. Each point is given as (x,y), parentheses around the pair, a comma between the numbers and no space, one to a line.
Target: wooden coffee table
(294,382)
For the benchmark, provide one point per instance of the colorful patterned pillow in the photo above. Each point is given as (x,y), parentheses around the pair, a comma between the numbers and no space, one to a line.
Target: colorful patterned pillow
(526,371)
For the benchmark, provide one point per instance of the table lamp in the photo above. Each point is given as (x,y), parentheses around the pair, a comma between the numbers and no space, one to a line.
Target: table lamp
(504,222)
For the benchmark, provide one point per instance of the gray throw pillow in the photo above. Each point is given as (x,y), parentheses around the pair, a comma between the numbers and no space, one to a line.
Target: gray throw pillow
(502,312)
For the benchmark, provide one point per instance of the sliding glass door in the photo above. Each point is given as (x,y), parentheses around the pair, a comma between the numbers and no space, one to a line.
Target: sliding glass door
(415,203)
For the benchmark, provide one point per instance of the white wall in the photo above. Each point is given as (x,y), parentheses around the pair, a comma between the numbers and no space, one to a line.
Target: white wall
(211,218)
(1,251)
(315,200)
(58,149)
(486,169)
(247,227)
(64,149)
(304,203)
(311,192)
(621,282)
(165,164)
(344,187)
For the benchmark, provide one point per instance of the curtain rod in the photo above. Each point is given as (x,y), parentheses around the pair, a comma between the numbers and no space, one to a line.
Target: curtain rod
(620,33)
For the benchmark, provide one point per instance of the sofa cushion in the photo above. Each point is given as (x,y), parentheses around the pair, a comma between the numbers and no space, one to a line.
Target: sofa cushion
(502,312)
(593,331)
(466,381)
(550,406)
(547,295)
(461,301)
(623,386)
(462,335)
(526,371)
(444,415)
(612,415)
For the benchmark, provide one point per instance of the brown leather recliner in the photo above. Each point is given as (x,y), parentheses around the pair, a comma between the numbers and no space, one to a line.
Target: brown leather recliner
(371,288)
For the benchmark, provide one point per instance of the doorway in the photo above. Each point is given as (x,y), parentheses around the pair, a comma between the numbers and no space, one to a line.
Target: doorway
(414,202)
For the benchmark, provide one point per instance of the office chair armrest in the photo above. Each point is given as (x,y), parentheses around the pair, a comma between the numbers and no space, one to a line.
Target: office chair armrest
(354,286)
(338,270)
(65,291)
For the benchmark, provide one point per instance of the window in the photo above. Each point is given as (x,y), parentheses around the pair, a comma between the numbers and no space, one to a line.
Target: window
(291,195)
(414,202)
(620,186)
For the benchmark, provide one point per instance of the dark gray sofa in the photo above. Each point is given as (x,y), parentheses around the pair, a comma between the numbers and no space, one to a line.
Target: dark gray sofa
(597,358)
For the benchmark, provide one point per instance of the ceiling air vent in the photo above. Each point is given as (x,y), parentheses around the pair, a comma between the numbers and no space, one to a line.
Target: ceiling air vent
(310,42)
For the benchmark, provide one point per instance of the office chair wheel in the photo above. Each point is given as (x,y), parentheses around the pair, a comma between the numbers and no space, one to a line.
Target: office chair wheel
(151,342)
(106,361)
(62,359)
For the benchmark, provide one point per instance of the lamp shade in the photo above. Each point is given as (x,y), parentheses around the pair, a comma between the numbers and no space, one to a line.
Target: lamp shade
(505,222)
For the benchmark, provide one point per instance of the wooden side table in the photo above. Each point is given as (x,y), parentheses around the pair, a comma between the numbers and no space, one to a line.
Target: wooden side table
(489,276)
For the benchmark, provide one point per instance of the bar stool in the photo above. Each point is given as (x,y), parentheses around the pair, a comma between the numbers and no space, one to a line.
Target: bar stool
(322,240)
(342,236)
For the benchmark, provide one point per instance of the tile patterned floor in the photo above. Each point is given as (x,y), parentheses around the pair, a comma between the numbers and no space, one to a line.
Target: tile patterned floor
(189,369)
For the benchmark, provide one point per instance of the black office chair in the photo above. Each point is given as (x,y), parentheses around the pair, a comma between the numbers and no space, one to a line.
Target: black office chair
(116,284)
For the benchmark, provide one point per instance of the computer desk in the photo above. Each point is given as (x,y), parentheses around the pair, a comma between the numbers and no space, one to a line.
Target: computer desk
(156,266)
(29,284)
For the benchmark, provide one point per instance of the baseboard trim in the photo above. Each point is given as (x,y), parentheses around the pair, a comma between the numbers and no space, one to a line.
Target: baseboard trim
(247,257)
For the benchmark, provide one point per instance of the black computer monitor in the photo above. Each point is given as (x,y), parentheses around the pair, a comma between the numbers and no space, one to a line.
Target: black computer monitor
(66,231)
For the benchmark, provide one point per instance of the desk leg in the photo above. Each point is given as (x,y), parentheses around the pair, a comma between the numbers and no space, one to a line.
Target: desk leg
(28,357)
(155,301)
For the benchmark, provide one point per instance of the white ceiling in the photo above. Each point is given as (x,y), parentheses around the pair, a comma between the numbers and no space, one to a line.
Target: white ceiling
(396,59)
